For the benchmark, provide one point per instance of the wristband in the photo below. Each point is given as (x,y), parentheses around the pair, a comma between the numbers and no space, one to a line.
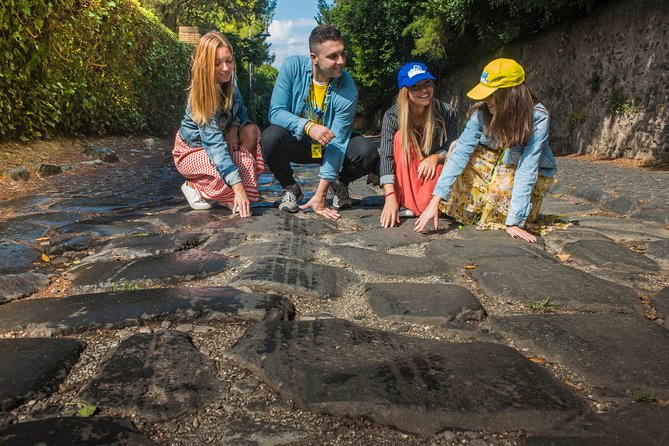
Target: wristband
(308,127)
(390,193)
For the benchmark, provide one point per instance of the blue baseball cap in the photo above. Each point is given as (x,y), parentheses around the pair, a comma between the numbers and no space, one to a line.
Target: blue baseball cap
(411,73)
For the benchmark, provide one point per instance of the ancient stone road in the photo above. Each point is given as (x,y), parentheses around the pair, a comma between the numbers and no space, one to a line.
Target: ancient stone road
(182,327)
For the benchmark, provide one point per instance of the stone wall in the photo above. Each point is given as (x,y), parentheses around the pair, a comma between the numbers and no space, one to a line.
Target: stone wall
(604,78)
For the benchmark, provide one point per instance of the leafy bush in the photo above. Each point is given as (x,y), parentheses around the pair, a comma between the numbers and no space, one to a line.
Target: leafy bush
(88,67)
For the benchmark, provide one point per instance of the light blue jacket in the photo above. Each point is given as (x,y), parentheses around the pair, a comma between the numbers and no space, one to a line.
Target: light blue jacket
(211,136)
(531,159)
(289,99)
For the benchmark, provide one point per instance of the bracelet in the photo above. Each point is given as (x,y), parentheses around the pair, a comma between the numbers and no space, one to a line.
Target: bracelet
(390,193)
(308,127)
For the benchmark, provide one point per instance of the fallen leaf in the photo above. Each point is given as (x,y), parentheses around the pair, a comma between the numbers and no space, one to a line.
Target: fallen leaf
(46,258)
(42,239)
(666,227)
(664,403)
(471,266)
(575,387)
(562,257)
(87,411)
(538,360)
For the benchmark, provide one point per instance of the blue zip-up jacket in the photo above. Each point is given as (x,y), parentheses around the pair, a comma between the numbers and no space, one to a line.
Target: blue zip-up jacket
(289,99)
(531,159)
(211,136)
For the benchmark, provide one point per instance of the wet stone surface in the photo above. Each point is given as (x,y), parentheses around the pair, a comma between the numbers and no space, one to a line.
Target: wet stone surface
(97,204)
(15,286)
(167,268)
(292,246)
(110,226)
(429,304)
(141,246)
(21,231)
(609,255)
(386,264)
(69,431)
(292,276)
(55,317)
(616,354)
(533,279)
(417,385)
(16,258)
(633,424)
(275,222)
(33,368)
(146,374)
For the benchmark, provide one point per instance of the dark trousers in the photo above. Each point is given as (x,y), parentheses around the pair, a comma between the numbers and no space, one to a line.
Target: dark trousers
(280,148)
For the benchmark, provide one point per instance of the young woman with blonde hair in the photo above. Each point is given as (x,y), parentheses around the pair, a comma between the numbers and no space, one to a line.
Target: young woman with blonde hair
(501,166)
(415,135)
(216,147)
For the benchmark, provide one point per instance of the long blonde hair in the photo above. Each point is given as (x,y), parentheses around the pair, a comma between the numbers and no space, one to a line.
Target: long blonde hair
(513,121)
(206,96)
(410,132)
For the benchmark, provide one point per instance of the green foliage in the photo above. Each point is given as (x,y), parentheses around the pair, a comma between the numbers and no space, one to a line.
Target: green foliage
(125,285)
(88,67)
(616,103)
(595,82)
(541,306)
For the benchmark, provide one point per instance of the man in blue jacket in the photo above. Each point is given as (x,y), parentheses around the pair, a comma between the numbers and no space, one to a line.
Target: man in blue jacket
(312,111)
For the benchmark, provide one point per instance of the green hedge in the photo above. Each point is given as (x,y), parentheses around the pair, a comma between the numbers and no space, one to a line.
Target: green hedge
(88,67)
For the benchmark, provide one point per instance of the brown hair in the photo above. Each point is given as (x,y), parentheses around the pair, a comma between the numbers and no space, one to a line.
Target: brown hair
(512,122)
(206,96)
(410,133)
(323,33)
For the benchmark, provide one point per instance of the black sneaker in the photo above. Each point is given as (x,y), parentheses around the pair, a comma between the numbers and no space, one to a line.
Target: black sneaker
(341,199)
(290,197)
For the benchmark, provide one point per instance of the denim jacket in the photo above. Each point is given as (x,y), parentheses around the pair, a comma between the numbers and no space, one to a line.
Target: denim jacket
(289,99)
(532,158)
(211,136)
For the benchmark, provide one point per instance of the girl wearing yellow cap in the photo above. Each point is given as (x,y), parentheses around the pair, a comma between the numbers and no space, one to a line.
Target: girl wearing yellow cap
(501,166)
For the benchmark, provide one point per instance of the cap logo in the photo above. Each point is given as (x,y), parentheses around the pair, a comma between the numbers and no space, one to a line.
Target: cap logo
(415,70)
(484,77)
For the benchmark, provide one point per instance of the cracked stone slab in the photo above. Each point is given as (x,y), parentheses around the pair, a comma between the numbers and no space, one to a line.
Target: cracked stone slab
(460,253)
(609,255)
(362,218)
(292,276)
(141,246)
(429,304)
(107,226)
(73,314)
(633,424)
(381,238)
(385,264)
(32,368)
(273,223)
(659,249)
(292,246)
(416,385)
(16,286)
(616,354)
(65,243)
(534,279)
(16,258)
(246,431)
(224,241)
(157,376)
(66,431)
(167,268)
(188,218)
(21,231)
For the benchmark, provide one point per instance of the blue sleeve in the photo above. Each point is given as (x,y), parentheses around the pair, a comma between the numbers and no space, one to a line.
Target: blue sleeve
(213,142)
(527,172)
(459,157)
(280,107)
(342,125)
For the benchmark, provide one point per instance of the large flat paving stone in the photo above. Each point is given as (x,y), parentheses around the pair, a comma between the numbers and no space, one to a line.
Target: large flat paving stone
(382,263)
(616,354)
(188,218)
(21,231)
(73,314)
(609,255)
(422,303)
(108,226)
(148,271)
(141,246)
(659,249)
(223,241)
(33,368)
(292,246)
(460,253)
(276,223)
(633,424)
(16,286)
(96,204)
(381,238)
(70,431)
(17,258)
(157,376)
(530,280)
(246,431)
(292,276)
(661,304)
(416,385)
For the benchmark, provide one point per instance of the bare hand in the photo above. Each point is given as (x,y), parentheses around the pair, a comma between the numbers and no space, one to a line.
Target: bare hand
(318,205)
(241,202)
(232,138)
(430,213)
(427,168)
(321,134)
(518,232)
(390,215)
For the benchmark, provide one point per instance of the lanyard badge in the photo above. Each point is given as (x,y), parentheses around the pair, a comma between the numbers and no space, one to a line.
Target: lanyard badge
(316,151)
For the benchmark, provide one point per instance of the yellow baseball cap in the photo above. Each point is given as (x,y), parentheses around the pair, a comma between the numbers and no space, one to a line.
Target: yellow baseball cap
(500,73)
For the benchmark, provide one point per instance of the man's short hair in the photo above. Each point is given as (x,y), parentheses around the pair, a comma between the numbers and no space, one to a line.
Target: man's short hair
(323,33)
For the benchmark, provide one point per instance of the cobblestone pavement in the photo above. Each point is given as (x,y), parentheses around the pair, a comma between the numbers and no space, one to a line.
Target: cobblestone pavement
(126,319)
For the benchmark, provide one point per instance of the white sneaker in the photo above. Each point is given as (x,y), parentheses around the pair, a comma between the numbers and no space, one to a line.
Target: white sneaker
(195,200)
(406,213)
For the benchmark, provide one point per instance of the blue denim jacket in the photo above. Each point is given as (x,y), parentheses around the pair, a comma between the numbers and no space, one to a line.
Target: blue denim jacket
(290,97)
(211,136)
(531,159)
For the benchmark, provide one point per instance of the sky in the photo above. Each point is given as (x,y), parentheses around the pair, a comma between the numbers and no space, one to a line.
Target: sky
(290,28)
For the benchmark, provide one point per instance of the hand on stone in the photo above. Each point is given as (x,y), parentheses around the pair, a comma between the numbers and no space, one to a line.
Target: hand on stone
(390,215)
(518,232)
(241,202)
(431,212)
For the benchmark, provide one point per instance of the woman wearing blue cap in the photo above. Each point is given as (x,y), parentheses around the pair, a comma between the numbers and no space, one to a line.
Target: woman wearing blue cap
(501,166)
(415,135)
